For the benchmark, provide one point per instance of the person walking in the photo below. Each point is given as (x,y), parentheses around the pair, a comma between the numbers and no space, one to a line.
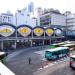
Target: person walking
(29,60)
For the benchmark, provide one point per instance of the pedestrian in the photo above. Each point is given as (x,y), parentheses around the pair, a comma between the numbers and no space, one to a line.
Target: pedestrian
(29,60)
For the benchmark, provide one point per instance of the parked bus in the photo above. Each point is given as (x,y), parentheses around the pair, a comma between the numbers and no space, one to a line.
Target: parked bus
(56,53)
(71,46)
(56,45)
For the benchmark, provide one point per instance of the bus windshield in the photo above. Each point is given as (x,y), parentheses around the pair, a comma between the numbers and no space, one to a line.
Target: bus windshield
(47,52)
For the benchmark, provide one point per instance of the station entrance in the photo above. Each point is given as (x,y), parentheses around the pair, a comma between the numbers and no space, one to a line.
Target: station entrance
(7,45)
(47,42)
(37,42)
(23,43)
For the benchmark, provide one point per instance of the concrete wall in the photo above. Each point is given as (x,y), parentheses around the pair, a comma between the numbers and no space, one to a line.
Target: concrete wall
(58,19)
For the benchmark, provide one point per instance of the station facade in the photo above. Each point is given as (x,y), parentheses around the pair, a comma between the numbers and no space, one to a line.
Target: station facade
(12,37)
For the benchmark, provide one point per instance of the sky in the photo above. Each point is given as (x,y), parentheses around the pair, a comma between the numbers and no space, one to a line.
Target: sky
(13,5)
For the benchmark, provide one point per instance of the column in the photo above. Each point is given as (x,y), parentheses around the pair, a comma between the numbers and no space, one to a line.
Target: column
(50,40)
(43,42)
(2,46)
(15,44)
(31,43)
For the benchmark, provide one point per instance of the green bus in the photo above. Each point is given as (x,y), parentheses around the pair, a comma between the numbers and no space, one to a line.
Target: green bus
(56,45)
(56,53)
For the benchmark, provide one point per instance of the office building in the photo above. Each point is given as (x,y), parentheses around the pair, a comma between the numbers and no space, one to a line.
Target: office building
(51,17)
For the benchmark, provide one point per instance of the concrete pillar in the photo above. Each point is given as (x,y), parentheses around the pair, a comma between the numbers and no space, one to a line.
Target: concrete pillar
(50,40)
(15,44)
(31,43)
(2,46)
(32,33)
(43,42)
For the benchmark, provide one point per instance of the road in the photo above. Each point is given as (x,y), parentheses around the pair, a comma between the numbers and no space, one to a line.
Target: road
(18,63)
(58,69)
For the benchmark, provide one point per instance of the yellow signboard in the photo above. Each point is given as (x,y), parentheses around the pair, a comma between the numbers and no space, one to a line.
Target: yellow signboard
(24,31)
(6,30)
(38,31)
(49,31)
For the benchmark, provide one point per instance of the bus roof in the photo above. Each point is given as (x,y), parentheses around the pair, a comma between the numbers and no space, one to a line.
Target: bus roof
(66,45)
(59,43)
(57,49)
(72,56)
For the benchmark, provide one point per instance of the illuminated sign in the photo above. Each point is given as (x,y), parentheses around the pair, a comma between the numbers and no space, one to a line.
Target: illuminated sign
(24,31)
(58,32)
(6,30)
(49,31)
(38,31)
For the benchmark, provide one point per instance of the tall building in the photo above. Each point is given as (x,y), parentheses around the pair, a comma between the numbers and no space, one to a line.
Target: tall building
(23,17)
(51,17)
(39,11)
(70,20)
(31,7)
(70,23)
(6,17)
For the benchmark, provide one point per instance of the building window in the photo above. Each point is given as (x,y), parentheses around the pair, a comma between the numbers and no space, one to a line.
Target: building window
(22,14)
(9,19)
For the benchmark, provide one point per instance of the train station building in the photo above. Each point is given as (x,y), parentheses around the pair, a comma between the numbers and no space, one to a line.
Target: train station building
(12,37)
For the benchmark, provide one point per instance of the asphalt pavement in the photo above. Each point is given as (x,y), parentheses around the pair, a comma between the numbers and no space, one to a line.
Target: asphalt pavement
(57,69)
(18,63)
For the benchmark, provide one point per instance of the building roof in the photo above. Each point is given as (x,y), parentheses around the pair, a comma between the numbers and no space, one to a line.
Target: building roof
(66,45)
(72,56)
(7,14)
